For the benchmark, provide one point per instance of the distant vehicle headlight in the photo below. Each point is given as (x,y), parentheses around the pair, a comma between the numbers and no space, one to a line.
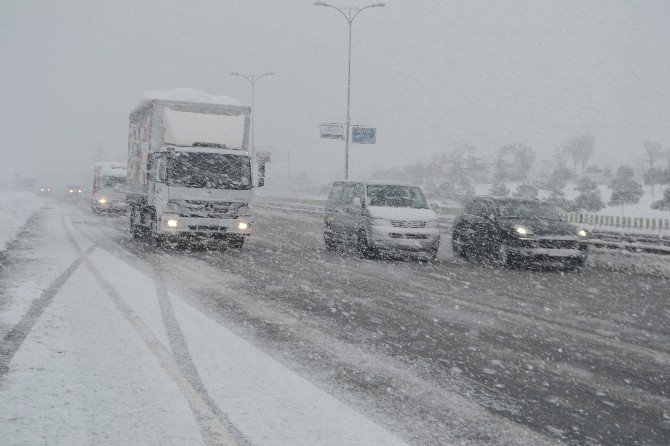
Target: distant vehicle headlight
(79,190)
(42,190)
(583,233)
(103,200)
(71,190)
(243,225)
(523,231)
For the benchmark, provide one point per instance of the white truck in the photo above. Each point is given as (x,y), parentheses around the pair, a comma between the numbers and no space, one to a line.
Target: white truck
(189,169)
(109,187)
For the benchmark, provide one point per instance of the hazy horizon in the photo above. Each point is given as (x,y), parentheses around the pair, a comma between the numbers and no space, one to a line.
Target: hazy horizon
(427,76)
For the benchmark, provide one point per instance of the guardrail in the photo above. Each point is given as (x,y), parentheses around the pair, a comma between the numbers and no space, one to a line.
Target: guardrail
(616,221)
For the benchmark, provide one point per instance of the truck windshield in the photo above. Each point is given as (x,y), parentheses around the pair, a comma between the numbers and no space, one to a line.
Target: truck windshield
(389,195)
(209,171)
(113,182)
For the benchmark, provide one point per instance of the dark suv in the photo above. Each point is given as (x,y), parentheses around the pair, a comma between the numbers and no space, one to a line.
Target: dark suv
(513,230)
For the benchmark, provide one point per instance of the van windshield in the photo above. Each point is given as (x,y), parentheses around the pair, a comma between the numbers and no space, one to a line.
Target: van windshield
(391,195)
(113,182)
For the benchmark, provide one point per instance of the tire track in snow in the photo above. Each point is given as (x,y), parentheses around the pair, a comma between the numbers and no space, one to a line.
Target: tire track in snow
(15,337)
(212,429)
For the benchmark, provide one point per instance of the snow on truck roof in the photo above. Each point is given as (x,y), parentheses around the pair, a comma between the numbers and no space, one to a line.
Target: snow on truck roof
(188,95)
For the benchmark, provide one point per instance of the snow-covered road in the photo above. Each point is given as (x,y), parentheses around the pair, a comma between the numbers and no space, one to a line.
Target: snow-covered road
(109,340)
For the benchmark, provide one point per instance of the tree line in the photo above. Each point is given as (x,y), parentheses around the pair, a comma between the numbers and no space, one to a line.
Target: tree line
(451,175)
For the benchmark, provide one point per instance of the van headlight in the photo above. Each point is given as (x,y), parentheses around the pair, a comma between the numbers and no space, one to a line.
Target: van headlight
(523,231)
(242,225)
(102,200)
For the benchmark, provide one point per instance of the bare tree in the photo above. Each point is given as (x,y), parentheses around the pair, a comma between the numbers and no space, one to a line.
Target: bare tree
(653,176)
(579,149)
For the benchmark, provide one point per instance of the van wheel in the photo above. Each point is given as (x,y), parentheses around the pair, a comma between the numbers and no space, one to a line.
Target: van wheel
(364,248)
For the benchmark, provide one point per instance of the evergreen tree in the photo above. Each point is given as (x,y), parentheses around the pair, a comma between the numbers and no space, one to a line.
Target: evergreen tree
(526,191)
(499,189)
(625,190)
(589,196)
(664,203)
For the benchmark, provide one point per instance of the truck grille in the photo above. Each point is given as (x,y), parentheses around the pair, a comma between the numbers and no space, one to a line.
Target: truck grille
(209,209)
(408,236)
(408,224)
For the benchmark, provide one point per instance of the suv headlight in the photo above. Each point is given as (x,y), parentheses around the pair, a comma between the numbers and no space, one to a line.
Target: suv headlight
(523,231)
(583,233)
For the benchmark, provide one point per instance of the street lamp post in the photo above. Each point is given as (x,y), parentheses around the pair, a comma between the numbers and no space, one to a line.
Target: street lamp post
(349,15)
(252,78)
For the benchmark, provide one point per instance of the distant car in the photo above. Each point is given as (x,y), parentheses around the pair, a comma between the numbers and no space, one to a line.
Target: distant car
(73,191)
(515,230)
(380,218)
(45,189)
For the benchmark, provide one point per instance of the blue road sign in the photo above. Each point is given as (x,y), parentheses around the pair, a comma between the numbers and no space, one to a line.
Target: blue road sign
(364,135)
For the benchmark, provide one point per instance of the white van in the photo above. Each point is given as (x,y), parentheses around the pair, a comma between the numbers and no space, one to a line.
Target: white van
(379,217)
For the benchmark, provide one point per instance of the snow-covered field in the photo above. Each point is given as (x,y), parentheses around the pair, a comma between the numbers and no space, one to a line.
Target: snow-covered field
(15,210)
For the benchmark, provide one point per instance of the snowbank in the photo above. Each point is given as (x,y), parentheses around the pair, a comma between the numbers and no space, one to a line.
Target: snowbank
(15,210)
(188,95)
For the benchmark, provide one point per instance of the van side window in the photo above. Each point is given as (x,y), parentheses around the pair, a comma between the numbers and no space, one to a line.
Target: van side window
(336,193)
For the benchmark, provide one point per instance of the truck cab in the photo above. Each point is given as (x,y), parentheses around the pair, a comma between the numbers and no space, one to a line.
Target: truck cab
(109,187)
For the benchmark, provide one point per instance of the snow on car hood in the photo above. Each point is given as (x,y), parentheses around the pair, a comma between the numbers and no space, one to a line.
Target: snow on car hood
(409,214)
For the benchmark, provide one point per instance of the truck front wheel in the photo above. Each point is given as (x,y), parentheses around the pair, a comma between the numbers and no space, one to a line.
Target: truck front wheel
(236,242)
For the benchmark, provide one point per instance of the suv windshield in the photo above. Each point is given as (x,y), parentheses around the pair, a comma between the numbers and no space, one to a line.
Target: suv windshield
(388,195)
(527,209)
(209,171)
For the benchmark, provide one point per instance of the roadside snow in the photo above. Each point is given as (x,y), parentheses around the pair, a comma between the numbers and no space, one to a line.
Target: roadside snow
(15,210)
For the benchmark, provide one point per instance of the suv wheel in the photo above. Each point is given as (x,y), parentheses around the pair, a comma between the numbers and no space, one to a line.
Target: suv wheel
(458,245)
(503,256)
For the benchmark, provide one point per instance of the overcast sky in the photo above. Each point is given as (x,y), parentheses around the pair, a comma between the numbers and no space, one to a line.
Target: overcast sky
(427,73)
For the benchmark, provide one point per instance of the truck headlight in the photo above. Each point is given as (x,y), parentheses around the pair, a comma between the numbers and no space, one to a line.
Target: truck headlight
(583,233)
(242,225)
(103,200)
(172,223)
(523,231)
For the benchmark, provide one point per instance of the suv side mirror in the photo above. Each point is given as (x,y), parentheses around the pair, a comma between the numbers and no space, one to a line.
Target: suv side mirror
(356,202)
